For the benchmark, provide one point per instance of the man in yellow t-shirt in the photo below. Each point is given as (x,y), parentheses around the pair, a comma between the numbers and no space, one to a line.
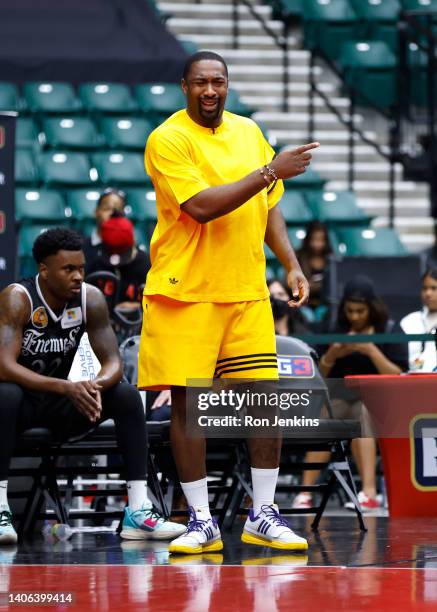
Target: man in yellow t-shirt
(206,305)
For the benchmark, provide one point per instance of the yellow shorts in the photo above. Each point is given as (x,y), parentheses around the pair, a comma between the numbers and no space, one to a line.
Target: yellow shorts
(186,341)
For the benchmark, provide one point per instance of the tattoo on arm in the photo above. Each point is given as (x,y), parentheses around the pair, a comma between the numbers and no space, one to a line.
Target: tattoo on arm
(14,313)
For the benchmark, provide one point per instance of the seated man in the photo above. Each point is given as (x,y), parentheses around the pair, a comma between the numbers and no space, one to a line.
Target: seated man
(42,320)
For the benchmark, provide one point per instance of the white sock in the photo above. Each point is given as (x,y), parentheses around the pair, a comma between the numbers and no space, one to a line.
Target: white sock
(196,493)
(137,495)
(264,485)
(4,495)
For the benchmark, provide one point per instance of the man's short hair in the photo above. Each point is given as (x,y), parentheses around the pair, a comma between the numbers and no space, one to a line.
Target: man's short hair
(56,239)
(198,57)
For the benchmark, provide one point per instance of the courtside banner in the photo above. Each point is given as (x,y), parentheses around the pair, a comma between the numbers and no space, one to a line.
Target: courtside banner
(8,239)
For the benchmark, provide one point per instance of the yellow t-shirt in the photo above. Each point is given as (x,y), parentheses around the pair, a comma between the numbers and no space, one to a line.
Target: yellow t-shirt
(219,261)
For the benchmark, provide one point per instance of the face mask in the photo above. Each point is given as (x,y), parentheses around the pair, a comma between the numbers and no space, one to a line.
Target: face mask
(280,308)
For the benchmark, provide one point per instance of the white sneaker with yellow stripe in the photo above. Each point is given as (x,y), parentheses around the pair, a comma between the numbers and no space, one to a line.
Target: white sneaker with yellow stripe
(269,528)
(202,536)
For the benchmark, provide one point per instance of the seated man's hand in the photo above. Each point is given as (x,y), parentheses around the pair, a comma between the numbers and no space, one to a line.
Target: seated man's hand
(162,399)
(86,397)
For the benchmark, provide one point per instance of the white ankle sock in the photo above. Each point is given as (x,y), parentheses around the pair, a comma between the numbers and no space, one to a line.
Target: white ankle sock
(264,485)
(4,494)
(137,494)
(196,493)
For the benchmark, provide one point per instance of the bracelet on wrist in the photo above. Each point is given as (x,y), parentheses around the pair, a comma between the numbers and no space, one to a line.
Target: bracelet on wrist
(271,172)
(265,176)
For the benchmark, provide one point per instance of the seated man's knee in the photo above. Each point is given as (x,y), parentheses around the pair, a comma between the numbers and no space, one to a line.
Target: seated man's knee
(124,397)
(11,396)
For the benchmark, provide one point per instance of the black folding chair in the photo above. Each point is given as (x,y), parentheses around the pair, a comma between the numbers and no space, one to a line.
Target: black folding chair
(294,358)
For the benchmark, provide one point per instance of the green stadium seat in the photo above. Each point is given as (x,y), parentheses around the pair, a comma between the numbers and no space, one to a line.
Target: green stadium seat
(379,20)
(25,168)
(26,134)
(287,10)
(370,242)
(294,208)
(120,168)
(310,181)
(160,100)
(296,235)
(336,209)
(39,206)
(9,97)
(71,133)
(107,98)
(141,208)
(272,262)
(64,168)
(328,24)
(141,205)
(418,65)
(51,98)
(81,206)
(189,46)
(235,105)
(415,5)
(270,273)
(126,132)
(26,237)
(370,68)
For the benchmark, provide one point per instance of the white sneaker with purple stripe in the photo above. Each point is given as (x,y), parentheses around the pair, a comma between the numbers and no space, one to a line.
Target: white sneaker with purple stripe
(202,535)
(269,528)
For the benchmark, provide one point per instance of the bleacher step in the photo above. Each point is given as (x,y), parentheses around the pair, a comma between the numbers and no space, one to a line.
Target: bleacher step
(196,10)
(220,26)
(226,40)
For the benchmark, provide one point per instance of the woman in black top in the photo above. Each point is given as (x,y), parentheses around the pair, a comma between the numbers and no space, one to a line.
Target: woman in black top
(313,257)
(361,311)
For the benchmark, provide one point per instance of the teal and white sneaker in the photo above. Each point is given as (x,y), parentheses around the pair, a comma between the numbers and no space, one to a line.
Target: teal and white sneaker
(8,535)
(148,524)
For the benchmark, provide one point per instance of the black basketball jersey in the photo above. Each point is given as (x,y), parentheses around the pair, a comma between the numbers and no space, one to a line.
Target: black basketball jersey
(50,341)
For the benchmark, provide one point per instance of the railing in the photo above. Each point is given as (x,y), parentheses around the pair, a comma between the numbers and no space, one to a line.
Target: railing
(388,338)
(280,41)
(417,129)
(413,26)
(389,153)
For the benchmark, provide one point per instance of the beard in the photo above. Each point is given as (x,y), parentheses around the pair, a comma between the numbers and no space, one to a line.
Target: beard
(210,115)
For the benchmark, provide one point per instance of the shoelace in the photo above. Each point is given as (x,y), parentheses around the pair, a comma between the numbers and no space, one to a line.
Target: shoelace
(154,513)
(5,518)
(275,517)
(195,524)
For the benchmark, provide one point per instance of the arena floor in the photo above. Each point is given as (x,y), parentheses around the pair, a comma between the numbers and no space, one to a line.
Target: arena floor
(391,567)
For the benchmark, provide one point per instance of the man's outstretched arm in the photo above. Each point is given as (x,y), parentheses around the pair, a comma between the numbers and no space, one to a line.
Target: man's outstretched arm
(217,201)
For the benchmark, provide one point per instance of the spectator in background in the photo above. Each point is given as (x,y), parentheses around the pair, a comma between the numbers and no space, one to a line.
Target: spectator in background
(422,355)
(287,321)
(120,255)
(312,257)
(361,311)
(111,200)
